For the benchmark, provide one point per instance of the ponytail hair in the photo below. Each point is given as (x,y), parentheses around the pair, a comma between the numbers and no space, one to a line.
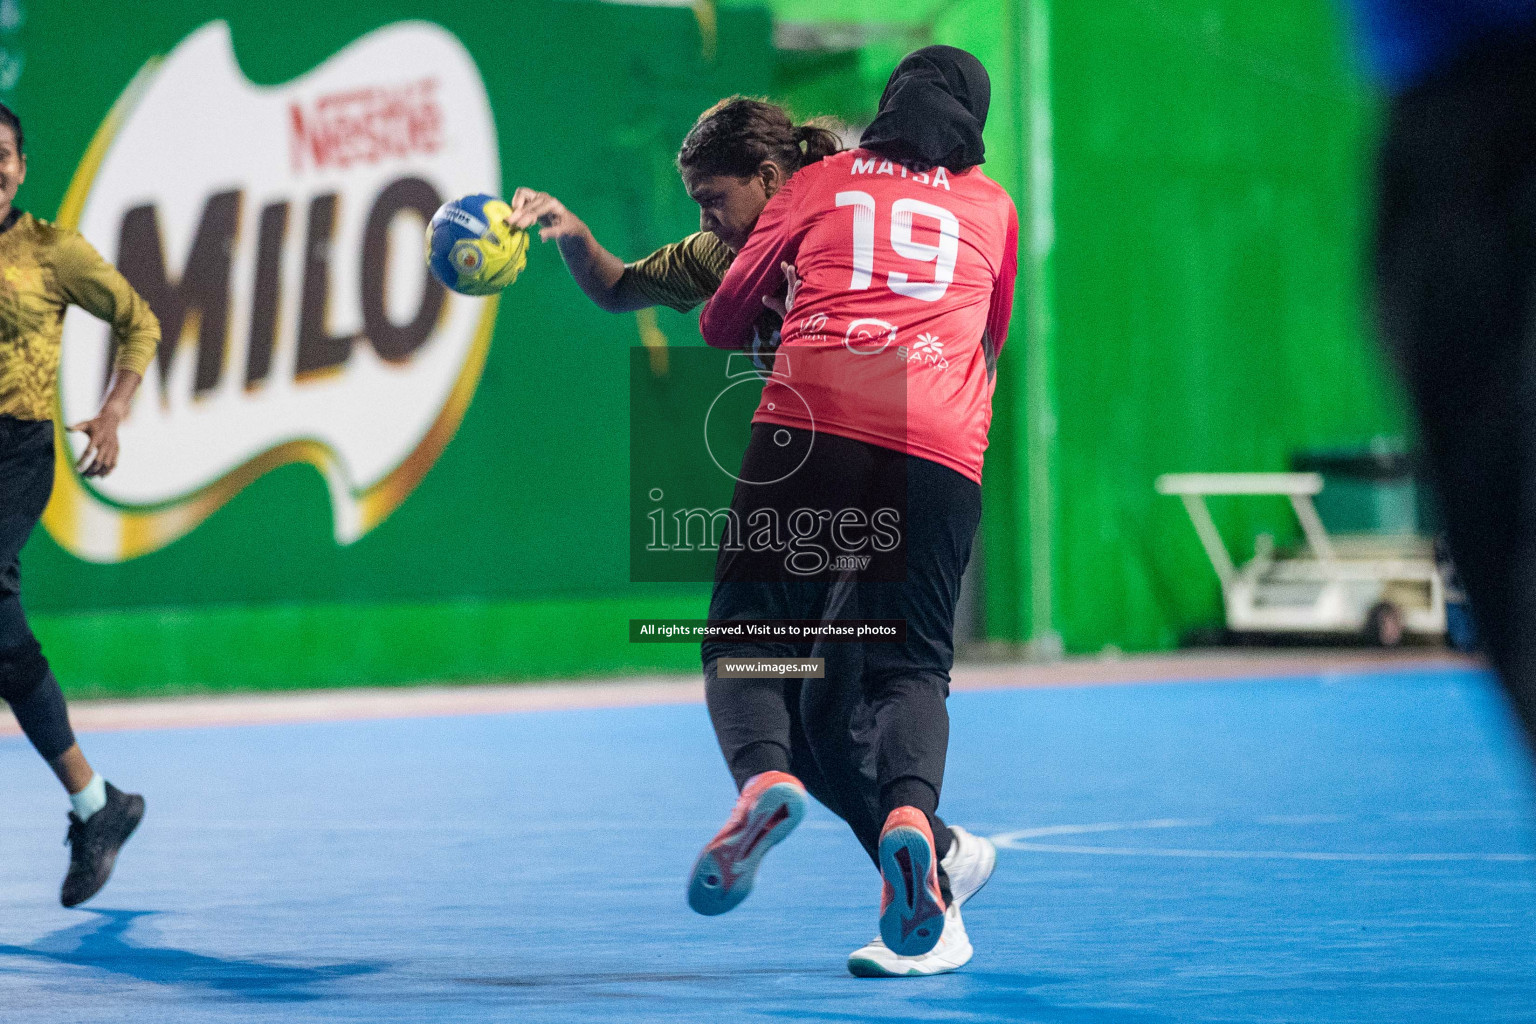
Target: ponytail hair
(818,138)
(735,136)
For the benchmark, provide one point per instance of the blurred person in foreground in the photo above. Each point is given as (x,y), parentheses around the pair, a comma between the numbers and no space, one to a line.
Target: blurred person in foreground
(737,156)
(45,268)
(1455,276)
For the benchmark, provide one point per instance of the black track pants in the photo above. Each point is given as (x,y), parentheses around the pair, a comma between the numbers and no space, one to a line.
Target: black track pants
(874,733)
(26,684)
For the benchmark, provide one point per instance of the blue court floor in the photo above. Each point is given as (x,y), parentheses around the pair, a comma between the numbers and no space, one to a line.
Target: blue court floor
(1351,848)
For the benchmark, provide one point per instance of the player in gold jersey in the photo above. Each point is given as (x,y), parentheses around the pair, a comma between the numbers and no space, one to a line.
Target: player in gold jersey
(44,269)
(768,146)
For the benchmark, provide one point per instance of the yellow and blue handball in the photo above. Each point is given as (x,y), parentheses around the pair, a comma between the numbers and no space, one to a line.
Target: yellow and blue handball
(472,249)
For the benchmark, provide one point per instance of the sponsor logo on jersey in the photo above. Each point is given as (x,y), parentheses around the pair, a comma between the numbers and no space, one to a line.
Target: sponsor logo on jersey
(869,336)
(927,350)
(276,232)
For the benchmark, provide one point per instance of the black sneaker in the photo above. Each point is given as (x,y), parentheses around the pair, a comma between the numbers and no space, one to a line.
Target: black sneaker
(93,844)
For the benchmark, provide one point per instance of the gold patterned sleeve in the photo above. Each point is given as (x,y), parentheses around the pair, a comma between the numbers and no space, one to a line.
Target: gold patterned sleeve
(95,285)
(680,275)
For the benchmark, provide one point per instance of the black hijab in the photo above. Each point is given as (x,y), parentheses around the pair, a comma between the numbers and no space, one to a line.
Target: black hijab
(933,110)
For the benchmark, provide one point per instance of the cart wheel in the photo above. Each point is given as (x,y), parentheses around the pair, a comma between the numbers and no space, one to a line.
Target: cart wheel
(1384,625)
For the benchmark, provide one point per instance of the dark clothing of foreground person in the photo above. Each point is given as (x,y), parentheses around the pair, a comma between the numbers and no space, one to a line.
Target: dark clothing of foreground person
(1455,274)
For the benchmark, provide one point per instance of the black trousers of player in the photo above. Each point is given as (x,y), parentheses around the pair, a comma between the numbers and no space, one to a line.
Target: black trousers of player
(26,684)
(874,734)
(1456,283)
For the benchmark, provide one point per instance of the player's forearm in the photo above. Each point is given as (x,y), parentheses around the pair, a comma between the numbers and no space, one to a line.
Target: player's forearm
(125,383)
(596,270)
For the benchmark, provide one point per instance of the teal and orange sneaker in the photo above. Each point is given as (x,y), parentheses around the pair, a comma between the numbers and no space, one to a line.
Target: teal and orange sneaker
(770,806)
(911,907)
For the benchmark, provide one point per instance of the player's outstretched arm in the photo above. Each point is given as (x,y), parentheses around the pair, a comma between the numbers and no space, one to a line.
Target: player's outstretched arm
(596,270)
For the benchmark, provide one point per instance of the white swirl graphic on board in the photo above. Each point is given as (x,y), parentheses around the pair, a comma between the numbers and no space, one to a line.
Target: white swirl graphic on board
(276,231)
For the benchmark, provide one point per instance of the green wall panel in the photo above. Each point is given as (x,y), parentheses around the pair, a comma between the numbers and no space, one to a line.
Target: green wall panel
(1209,169)
(160,651)
(1211,162)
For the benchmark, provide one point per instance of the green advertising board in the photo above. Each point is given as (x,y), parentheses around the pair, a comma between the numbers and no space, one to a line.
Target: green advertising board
(337,476)
(337,472)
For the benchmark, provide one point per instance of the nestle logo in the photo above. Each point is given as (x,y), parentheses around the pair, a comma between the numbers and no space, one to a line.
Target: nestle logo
(365,126)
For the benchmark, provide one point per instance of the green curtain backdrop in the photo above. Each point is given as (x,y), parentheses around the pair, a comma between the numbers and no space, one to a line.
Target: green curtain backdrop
(1195,180)
(1193,176)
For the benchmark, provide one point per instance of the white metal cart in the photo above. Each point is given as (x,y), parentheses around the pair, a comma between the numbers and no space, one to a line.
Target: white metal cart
(1382,588)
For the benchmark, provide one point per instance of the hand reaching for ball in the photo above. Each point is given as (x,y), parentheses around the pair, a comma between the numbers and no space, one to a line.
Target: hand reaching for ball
(555,221)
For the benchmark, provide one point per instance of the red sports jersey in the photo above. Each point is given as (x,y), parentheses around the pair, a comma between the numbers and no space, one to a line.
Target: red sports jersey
(905,294)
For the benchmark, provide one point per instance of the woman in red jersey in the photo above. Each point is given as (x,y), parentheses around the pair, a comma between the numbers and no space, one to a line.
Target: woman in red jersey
(900,257)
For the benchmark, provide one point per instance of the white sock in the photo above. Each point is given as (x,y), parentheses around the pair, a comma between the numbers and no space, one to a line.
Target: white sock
(90,799)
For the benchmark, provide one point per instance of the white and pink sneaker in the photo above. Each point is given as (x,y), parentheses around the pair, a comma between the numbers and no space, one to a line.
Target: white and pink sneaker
(911,908)
(969,865)
(770,806)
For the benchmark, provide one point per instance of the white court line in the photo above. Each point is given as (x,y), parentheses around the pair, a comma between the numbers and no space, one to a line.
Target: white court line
(1021,840)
